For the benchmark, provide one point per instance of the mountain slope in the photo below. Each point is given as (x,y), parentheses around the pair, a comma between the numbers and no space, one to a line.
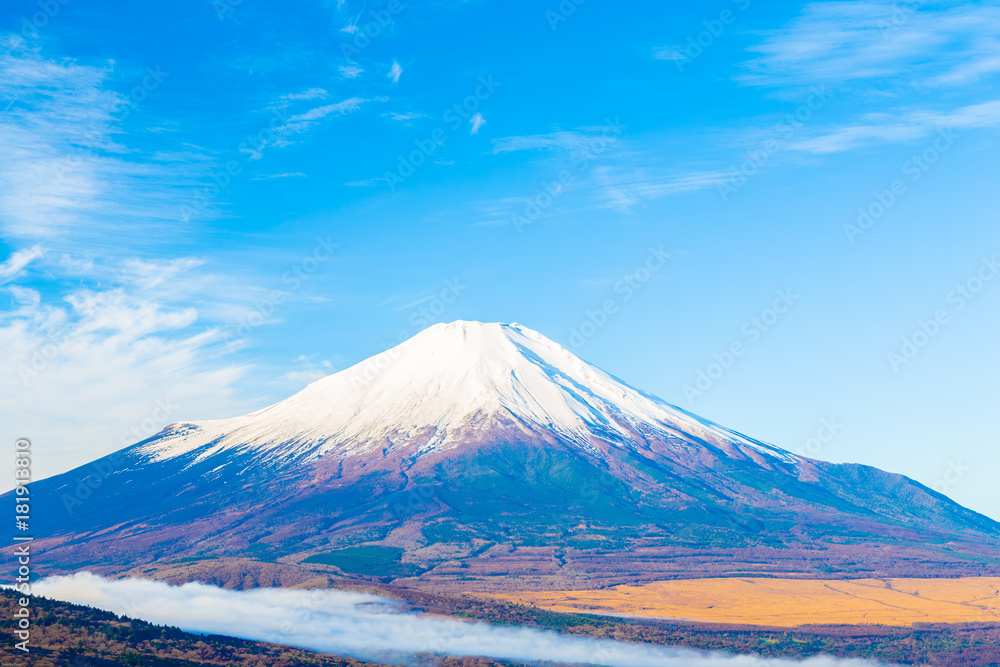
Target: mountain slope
(485,455)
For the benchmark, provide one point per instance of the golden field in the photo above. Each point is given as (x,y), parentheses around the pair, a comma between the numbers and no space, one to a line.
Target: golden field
(787,602)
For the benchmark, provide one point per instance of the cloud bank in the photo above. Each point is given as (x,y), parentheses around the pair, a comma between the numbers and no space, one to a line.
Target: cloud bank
(369,627)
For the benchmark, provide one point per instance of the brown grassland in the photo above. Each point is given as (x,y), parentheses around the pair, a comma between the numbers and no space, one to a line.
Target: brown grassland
(786,603)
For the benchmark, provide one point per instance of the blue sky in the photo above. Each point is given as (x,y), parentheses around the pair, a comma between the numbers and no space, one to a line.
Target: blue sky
(206,205)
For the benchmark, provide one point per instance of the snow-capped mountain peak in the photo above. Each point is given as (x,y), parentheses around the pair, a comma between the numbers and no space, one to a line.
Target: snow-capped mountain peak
(446,379)
(490,454)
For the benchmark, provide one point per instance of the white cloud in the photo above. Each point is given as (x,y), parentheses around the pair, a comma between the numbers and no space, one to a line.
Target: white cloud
(395,71)
(86,370)
(371,627)
(476,122)
(25,296)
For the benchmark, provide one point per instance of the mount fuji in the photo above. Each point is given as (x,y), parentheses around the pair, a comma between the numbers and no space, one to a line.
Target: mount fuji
(485,456)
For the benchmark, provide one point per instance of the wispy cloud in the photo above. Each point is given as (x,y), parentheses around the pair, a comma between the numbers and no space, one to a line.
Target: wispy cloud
(351,71)
(308,119)
(395,71)
(624,188)
(366,183)
(145,274)
(920,57)
(405,117)
(289,174)
(18,261)
(561,140)
(68,174)
(476,122)
(352,25)
(371,627)
(309,94)
(668,53)
(915,43)
(302,122)
(882,128)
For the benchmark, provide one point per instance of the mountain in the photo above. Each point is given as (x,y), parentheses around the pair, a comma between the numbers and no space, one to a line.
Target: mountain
(485,456)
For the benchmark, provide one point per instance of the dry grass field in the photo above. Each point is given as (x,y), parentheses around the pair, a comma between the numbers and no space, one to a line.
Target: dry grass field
(787,602)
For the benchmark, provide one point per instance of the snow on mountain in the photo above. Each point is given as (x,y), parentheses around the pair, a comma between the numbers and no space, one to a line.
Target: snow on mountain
(445,379)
